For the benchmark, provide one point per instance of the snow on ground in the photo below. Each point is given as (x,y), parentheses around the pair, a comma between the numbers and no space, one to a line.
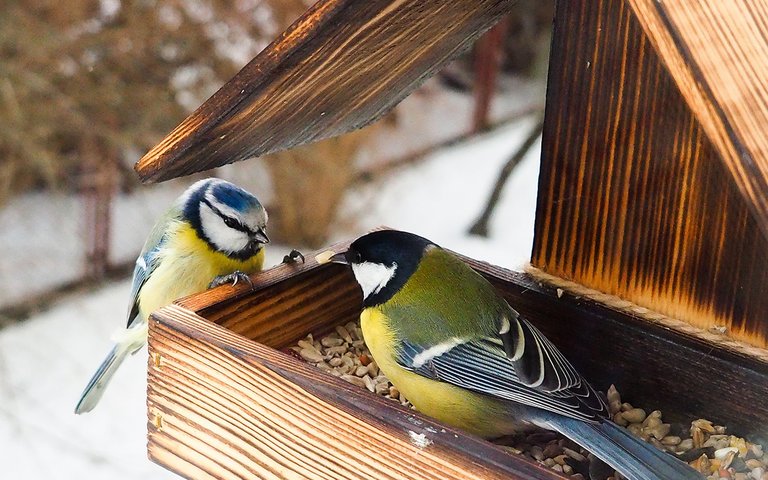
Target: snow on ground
(45,361)
(43,244)
(443,196)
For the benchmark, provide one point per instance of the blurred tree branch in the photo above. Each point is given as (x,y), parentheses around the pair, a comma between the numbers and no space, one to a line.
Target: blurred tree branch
(124,72)
(480,227)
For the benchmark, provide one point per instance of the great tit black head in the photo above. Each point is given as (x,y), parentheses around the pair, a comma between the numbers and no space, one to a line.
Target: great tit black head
(383,261)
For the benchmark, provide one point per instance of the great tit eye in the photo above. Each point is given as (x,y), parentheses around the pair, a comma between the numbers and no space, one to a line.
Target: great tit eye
(358,257)
(231,222)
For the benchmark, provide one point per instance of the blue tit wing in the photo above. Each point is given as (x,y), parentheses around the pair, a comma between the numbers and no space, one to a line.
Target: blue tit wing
(484,365)
(150,257)
(145,265)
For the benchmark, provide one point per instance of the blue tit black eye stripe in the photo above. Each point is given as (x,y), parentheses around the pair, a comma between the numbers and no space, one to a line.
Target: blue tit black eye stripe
(229,221)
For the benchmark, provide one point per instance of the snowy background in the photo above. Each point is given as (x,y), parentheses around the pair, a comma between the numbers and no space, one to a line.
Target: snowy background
(46,360)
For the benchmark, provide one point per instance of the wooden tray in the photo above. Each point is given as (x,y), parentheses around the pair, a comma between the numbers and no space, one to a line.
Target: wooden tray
(224,402)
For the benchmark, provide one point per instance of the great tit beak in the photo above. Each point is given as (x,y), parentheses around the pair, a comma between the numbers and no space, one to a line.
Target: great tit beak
(261,236)
(339,258)
(330,256)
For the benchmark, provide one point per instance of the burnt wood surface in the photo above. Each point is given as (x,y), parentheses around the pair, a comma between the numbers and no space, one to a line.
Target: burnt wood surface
(340,66)
(717,53)
(634,198)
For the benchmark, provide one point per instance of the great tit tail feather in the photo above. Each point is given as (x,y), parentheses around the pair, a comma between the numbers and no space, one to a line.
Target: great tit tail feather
(631,456)
(98,383)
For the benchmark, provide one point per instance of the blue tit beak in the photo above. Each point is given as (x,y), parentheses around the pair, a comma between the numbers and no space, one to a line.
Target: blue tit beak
(261,236)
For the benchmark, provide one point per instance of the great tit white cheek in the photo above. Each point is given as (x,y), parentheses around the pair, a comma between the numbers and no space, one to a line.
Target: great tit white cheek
(372,277)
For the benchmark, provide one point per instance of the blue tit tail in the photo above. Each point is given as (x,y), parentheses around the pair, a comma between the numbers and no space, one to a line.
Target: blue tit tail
(630,456)
(129,341)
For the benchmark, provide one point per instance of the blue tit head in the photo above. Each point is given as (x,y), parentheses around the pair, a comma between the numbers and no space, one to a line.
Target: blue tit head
(383,261)
(230,219)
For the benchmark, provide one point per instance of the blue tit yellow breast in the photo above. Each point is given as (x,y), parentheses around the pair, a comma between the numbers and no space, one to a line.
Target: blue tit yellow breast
(472,412)
(186,265)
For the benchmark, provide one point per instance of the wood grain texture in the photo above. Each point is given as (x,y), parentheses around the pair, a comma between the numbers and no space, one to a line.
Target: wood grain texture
(305,295)
(342,65)
(222,406)
(634,199)
(717,54)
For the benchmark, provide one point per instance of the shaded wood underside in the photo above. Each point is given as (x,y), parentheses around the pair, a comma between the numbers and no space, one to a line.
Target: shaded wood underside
(717,54)
(342,65)
(634,200)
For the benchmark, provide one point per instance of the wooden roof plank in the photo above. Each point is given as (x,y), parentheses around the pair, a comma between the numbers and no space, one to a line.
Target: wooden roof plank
(718,56)
(342,65)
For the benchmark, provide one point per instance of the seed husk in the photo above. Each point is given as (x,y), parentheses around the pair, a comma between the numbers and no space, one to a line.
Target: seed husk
(311,355)
(634,415)
(671,440)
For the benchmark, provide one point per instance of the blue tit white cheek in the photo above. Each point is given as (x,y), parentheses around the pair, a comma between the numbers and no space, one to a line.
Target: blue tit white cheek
(372,277)
(224,238)
(190,266)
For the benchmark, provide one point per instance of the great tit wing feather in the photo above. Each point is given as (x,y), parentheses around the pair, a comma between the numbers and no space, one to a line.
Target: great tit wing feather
(483,344)
(482,365)
(537,361)
(541,364)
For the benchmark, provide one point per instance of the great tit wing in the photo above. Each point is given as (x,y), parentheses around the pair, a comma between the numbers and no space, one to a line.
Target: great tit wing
(482,365)
(537,361)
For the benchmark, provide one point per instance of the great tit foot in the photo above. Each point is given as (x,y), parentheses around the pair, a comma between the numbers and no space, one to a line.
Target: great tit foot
(233,278)
(293,257)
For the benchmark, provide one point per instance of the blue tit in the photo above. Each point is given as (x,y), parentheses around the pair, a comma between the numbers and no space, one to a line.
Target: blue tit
(440,332)
(214,231)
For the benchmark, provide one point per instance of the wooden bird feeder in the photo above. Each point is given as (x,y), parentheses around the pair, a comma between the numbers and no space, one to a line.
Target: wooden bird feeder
(650,254)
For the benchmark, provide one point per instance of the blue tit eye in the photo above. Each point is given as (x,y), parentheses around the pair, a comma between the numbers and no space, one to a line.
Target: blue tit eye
(231,222)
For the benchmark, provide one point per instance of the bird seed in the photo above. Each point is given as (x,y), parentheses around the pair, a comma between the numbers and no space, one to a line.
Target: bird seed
(705,446)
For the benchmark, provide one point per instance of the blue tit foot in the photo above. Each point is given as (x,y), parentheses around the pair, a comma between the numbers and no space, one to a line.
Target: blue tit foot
(233,278)
(293,257)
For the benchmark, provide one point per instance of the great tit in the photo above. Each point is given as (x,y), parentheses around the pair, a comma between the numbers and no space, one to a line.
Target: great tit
(212,234)
(440,332)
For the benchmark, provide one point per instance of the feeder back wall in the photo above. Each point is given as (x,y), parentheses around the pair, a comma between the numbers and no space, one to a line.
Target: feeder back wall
(635,200)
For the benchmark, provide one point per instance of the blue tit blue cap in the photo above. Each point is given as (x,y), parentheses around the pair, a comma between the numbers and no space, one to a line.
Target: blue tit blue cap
(234,197)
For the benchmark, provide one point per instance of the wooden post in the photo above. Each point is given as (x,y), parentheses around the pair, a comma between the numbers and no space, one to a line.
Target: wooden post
(487,56)
(97,187)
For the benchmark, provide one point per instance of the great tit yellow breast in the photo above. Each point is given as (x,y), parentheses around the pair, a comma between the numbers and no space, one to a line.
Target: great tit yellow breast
(186,265)
(475,413)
